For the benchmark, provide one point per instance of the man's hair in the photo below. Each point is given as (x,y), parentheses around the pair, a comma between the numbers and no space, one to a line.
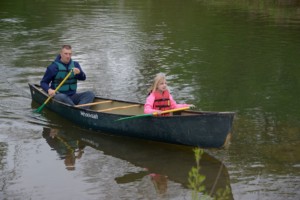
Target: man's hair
(66,46)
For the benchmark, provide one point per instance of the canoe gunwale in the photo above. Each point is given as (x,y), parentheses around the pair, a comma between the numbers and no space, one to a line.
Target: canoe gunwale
(192,112)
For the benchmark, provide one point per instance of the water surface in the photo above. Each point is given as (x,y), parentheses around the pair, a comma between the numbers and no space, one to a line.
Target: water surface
(237,56)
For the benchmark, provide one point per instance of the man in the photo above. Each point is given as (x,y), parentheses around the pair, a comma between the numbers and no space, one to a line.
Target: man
(57,71)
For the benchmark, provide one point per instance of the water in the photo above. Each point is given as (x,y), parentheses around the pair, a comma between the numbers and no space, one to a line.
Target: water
(237,56)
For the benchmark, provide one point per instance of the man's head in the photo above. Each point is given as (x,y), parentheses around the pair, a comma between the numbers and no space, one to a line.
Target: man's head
(66,53)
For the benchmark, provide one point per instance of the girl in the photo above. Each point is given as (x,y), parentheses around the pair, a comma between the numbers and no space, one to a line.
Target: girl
(159,98)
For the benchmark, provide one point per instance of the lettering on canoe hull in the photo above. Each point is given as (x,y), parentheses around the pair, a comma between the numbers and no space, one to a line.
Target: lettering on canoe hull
(89,115)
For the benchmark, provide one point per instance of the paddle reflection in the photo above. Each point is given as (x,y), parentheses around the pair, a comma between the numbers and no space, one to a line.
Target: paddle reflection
(68,150)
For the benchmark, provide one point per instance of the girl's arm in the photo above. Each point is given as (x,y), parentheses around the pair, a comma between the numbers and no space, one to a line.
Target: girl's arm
(175,105)
(148,107)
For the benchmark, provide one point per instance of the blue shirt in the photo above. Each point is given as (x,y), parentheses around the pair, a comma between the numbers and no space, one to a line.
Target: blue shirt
(51,71)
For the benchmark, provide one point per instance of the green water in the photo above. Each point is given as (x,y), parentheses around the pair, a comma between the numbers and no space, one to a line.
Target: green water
(219,55)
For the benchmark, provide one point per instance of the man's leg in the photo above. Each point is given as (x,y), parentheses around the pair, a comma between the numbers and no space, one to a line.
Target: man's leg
(64,98)
(83,98)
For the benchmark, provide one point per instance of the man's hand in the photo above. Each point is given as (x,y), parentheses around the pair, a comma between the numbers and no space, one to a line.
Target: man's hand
(76,71)
(51,92)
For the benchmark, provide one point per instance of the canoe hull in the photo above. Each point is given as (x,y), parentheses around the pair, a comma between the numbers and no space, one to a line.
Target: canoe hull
(202,129)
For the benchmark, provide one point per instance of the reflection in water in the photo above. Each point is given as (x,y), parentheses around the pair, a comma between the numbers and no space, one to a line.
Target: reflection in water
(68,150)
(160,163)
(160,182)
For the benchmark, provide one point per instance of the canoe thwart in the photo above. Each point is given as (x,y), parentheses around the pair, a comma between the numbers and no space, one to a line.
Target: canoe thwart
(116,108)
(92,104)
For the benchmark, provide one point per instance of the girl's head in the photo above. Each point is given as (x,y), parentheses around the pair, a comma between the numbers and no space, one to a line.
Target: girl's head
(160,83)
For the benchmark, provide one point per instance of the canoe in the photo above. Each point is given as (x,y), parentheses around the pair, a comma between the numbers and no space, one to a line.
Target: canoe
(204,129)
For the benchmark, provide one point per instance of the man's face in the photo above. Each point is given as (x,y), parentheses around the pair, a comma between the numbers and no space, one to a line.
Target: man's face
(66,55)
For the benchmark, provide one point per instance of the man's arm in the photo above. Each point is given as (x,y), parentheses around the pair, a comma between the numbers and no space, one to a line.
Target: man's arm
(81,75)
(50,73)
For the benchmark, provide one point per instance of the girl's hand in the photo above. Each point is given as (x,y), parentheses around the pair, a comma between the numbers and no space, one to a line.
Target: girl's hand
(192,106)
(157,113)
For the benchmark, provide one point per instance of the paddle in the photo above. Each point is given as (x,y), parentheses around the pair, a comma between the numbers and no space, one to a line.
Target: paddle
(57,88)
(153,114)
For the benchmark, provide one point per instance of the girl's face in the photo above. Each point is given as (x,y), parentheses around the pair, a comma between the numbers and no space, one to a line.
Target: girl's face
(162,85)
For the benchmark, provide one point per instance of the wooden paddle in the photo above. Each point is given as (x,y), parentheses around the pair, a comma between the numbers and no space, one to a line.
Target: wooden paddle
(153,114)
(57,88)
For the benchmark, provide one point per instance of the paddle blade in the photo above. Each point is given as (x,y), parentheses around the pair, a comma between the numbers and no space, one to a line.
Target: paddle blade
(40,108)
(135,116)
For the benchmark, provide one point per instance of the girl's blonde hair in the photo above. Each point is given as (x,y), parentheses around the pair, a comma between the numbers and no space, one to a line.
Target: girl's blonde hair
(158,78)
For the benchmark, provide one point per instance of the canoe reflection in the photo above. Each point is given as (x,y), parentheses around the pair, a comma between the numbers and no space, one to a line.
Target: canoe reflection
(161,162)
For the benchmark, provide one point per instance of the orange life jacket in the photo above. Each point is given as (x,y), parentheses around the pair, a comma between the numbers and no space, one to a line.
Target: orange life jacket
(162,101)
